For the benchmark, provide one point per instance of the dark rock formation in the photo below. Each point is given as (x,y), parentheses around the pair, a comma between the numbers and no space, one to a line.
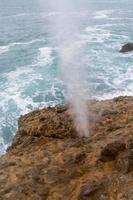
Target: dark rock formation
(111,150)
(127,47)
(48,161)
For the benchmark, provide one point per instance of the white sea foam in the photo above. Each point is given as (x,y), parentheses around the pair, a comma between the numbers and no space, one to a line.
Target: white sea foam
(51,14)
(45,56)
(3,147)
(17,15)
(16,85)
(103,14)
(19,71)
(96,34)
(4,49)
(20,15)
(27,43)
(112,95)
(41,14)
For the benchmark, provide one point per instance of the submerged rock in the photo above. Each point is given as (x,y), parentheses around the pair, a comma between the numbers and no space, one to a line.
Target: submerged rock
(126,48)
(47,159)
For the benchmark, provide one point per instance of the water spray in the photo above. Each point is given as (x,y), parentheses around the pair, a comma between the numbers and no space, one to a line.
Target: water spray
(66,26)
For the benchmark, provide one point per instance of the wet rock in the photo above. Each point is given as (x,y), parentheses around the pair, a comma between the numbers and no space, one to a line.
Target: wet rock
(111,150)
(61,109)
(126,48)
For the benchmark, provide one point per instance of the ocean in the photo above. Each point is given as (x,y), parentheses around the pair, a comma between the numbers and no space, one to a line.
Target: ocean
(29,71)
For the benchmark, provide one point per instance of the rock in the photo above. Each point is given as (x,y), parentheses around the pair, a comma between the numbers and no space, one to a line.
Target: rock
(61,109)
(54,123)
(111,150)
(130,144)
(74,158)
(90,189)
(127,47)
(47,159)
(125,162)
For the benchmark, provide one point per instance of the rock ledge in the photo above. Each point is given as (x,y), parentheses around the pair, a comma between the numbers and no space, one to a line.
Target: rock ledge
(48,161)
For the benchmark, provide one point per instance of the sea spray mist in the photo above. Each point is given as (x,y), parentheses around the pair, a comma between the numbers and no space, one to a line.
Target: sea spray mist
(66,27)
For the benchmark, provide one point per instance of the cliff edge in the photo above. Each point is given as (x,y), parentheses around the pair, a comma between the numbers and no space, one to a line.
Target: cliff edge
(48,161)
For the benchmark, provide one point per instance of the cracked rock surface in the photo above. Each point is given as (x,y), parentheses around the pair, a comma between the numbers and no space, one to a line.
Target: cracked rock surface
(48,161)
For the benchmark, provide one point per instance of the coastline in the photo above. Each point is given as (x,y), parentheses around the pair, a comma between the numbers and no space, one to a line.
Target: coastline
(47,160)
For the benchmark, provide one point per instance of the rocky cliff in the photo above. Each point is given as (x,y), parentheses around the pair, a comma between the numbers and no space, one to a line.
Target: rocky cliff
(48,161)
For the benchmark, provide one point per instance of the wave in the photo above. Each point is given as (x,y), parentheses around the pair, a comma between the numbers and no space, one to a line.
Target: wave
(18,72)
(27,43)
(96,34)
(113,95)
(102,14)
(37,14)
(4,49)
(17,15)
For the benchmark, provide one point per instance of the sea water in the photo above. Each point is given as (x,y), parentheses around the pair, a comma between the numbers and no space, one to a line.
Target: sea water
(29,71)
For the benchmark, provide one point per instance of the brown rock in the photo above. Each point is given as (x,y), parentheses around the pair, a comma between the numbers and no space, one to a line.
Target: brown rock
(48,160)
(111,150)
(89,190)
(74,158)
(125,162)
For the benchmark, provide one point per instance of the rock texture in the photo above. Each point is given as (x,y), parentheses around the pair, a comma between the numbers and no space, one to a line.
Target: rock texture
(127,47)
(48,161)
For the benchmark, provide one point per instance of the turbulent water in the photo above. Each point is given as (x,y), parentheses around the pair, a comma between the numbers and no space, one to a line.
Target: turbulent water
(29,70)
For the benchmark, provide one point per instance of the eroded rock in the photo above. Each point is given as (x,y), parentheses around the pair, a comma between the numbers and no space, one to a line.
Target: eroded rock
(48,160)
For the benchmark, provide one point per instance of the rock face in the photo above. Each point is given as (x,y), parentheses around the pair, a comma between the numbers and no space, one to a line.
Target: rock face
(48,161)
(127,47)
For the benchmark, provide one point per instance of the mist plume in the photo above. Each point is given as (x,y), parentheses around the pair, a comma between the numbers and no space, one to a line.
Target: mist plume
(66,27)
